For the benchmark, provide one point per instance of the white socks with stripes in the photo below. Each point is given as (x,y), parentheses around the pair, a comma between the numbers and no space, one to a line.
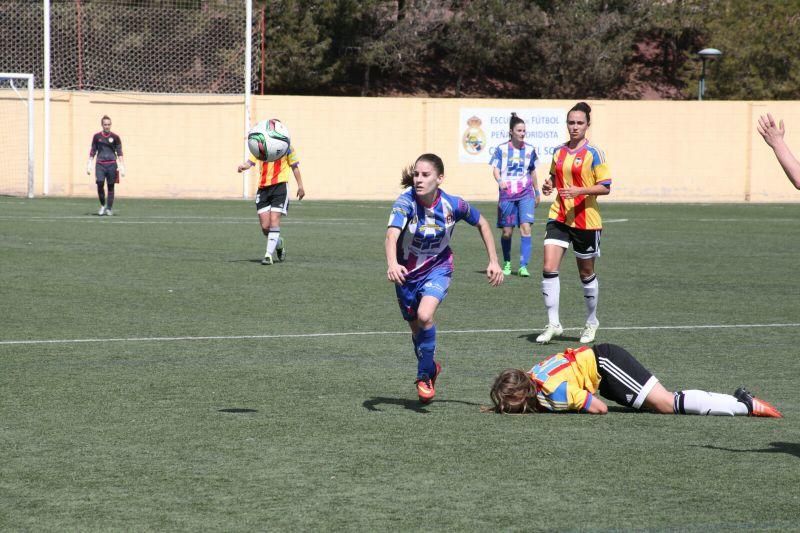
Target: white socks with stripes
(551,290)
(272,240)
(591,289)
(700,402)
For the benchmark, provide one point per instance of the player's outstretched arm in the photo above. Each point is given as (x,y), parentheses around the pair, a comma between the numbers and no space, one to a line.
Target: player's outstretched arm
(773,136)
(493,271)
(396,273)
(246,165)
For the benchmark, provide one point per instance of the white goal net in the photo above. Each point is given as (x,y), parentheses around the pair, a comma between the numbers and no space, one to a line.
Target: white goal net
(16,134)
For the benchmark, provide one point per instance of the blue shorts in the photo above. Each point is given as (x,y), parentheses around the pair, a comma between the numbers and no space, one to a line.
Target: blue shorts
(435,283)
(511,213)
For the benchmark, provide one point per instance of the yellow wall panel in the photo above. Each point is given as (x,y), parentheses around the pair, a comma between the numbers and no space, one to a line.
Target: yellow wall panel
(188,146)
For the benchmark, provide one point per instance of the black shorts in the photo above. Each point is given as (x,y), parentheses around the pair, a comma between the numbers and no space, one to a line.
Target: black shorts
(273,198)
(623,379)
(585,242)
(106,172)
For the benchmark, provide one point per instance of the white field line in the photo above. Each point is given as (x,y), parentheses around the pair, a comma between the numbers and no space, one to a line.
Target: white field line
(290,220)
(181,220)
(364,333)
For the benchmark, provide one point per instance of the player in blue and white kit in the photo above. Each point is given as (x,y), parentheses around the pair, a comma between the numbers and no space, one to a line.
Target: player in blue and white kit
(420,260)
(514,169)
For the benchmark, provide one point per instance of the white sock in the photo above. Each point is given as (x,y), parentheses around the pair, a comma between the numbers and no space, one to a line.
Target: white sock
(272,240)
(591,288)
(700,402)
(551,289)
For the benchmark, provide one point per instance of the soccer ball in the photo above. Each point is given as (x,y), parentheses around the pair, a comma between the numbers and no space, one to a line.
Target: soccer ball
(268,140)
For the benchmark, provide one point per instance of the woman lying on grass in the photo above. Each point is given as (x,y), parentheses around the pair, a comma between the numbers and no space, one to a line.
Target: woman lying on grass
(569,381)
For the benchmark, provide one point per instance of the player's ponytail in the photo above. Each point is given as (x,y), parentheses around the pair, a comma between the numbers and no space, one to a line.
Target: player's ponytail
(513,122)
(585,108)
(407,177)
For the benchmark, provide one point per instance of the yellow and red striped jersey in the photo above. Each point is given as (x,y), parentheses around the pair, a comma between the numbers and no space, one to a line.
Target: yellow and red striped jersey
(582,167)
(274,172)
(566,381)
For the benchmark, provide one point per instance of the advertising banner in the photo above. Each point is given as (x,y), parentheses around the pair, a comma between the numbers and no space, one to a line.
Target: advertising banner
(482,129)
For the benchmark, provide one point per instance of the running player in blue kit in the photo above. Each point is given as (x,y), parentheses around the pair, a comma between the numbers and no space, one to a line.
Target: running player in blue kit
(513,167)
(420,259)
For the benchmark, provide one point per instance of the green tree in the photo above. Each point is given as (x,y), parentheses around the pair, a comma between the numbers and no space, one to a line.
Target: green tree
(481,38)
(583,49)
(382,38)
(296,47)
(761,46)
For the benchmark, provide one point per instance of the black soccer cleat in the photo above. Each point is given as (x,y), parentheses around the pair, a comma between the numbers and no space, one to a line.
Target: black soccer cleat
(280,251)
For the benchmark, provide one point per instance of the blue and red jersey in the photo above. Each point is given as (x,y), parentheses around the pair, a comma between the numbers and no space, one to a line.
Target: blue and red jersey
(425,232)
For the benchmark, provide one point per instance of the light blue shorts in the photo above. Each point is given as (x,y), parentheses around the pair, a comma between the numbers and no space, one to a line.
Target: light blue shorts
(435,283)
(512,213)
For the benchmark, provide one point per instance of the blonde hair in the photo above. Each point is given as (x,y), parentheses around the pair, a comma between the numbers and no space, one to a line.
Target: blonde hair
(513,392)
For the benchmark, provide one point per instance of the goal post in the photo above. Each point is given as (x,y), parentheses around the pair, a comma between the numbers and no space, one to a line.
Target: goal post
(178,47)
(16,146)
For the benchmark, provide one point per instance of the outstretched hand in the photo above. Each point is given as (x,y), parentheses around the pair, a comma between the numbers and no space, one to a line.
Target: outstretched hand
(772,132)
(494,273)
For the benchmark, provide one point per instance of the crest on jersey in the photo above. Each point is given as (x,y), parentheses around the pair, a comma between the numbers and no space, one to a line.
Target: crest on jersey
(111,139)
(578,160)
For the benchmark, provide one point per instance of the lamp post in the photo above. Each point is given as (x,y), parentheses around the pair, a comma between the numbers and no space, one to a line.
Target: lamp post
(706,54)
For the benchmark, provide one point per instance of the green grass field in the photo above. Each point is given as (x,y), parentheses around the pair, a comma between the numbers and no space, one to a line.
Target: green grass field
(154,376)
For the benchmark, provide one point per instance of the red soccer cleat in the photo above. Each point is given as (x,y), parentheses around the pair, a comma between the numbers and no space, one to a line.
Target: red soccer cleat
(425,390)
(425,387)
(756,407)
(438,371)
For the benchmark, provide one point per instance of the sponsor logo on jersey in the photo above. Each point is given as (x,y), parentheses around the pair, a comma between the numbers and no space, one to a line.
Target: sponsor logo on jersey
(431,228)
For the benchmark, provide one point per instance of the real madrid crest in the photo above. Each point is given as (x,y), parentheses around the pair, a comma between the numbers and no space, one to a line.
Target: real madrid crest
(474,140)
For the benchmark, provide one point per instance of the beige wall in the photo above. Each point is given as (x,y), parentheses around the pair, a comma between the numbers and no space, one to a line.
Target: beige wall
(354,148)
